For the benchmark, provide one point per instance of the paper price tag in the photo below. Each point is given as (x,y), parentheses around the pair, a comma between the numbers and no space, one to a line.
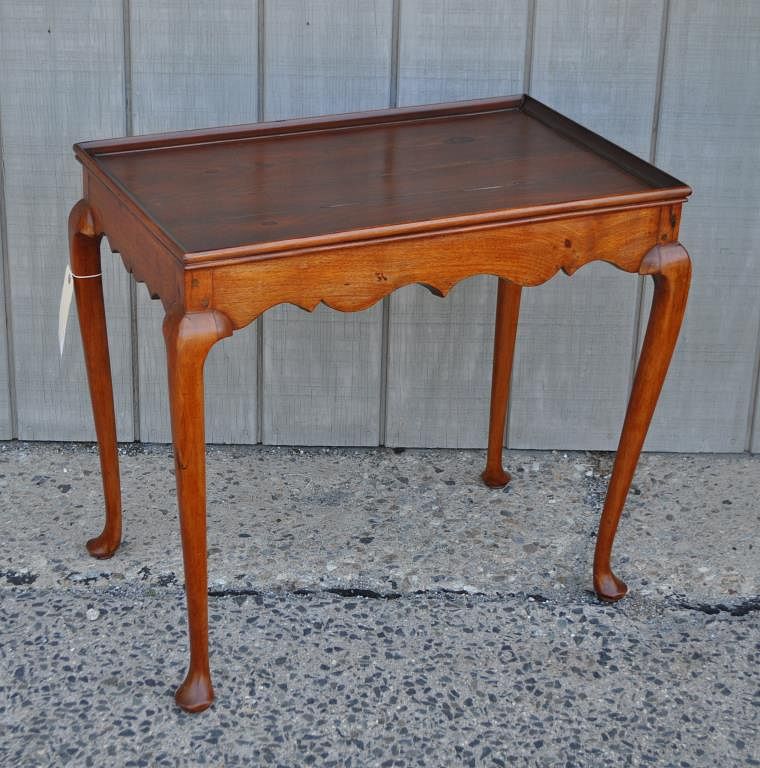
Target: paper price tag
(63,311)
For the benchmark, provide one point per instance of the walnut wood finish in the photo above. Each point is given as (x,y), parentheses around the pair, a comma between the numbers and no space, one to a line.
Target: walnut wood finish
(84,248)
(670,268)
(223,224)
(189,337)
(505,335)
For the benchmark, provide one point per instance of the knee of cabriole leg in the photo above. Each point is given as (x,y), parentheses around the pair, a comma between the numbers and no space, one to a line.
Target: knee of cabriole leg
(670,259)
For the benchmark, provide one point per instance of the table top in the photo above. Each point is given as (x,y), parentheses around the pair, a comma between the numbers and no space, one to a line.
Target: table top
(255,191)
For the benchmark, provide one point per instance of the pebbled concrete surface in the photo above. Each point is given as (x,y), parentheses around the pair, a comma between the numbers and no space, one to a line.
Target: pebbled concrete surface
(375,608)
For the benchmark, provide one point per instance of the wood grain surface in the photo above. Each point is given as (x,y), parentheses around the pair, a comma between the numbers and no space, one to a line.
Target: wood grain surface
(249,196)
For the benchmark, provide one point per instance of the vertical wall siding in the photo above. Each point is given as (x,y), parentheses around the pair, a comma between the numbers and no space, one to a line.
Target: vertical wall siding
(61,80)
(195,65)
(710,135)
(321,371)
(577,335)
(440,350)
(413,370)
(6,420)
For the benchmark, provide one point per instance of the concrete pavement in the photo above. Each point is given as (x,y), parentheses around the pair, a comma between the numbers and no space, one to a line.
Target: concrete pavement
(374,607)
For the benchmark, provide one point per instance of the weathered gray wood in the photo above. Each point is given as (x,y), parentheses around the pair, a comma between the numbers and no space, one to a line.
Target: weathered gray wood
(61,80)
(597,63)
(709,135)
(6,428)
(440,350)
(322,371)
(754,438)
(451,50)
(195,65)
(439,363)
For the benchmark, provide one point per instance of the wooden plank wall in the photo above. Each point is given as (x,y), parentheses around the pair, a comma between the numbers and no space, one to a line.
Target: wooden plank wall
(6,415)
(710,134)
(673,80)
(62,80)
(322,371)
(195,65)
(440,351)
(577,335)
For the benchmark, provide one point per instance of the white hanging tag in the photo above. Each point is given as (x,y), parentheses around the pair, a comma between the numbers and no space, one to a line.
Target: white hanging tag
(63,312)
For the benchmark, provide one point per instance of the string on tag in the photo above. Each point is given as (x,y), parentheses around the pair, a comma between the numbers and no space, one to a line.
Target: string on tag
(65,306)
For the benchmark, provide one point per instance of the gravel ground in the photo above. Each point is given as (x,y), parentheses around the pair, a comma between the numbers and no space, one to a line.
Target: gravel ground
(382,608)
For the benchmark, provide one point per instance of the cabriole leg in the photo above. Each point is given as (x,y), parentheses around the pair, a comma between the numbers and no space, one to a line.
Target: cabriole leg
(84,250)
(670,267)
(507,311)
(188,339)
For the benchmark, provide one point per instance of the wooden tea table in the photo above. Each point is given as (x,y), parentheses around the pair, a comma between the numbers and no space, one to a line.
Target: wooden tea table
(225,223)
